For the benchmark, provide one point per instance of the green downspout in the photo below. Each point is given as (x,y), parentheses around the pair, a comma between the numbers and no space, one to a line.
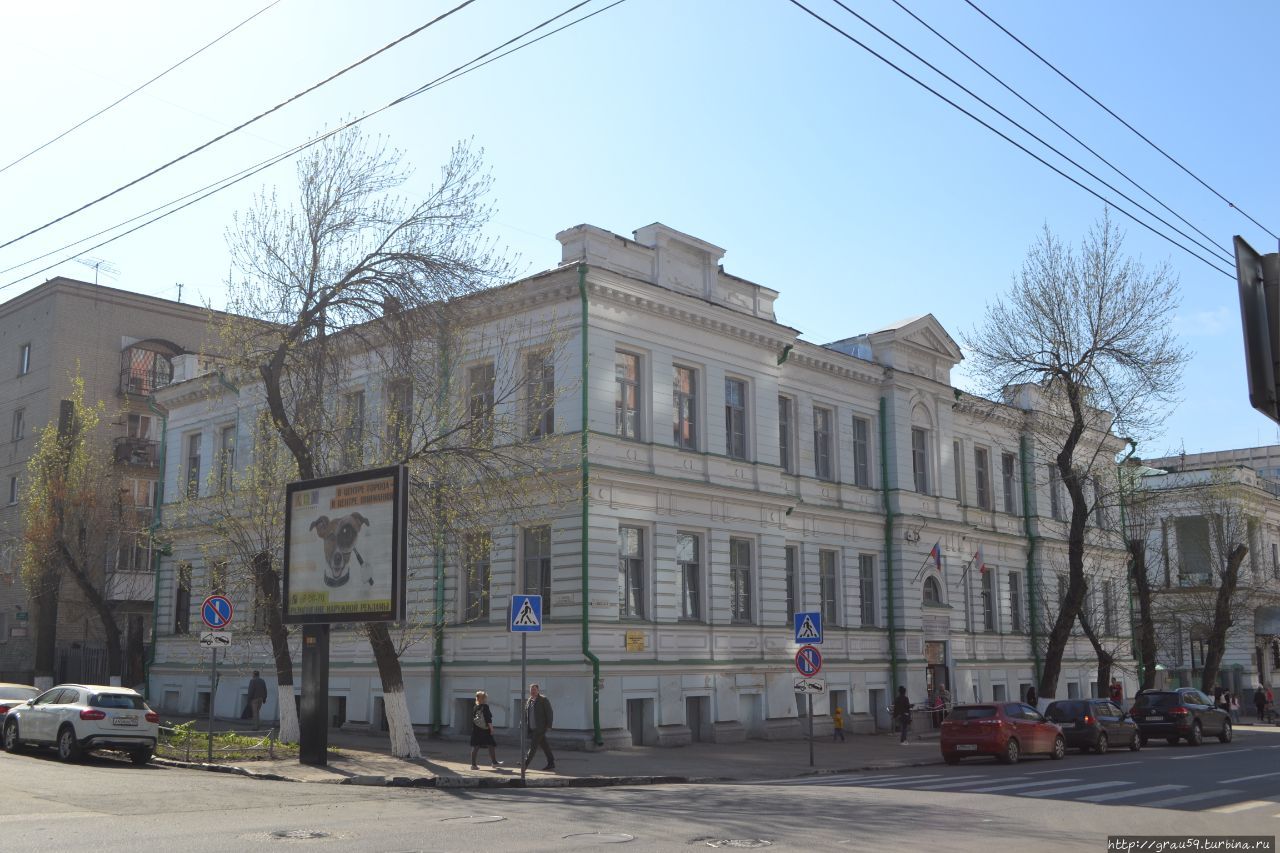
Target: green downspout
(586,493)
(1033,611)
(437,630)
(888,545)
(155,556)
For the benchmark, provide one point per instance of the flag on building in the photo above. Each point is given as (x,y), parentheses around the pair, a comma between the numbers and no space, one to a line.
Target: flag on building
(936,554)
(982,565)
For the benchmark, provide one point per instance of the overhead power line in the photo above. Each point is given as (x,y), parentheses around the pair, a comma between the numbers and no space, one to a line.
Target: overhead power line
(208,190)
(125,97)
(242,125)
(1008,138)
(1056,124)
(1112,113)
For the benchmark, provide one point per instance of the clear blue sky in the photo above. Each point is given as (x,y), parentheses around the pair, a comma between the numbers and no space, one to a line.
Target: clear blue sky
(822,172)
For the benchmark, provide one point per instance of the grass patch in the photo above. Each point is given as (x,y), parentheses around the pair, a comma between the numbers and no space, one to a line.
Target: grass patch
(184,743)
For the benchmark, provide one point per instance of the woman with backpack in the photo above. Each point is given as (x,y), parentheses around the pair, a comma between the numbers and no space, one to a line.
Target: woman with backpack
(482,731)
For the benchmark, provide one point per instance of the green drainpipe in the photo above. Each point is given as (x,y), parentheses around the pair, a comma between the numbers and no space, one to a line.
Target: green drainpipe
(888,547)
(155,557)
(586,494)
(437,629)
(1033,611)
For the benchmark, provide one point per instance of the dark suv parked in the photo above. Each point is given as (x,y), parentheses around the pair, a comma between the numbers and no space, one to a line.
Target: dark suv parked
(1094,724)
(1180,713)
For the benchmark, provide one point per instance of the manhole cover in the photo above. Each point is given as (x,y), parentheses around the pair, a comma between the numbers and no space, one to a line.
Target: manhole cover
(738,843)
(299,834)
(602,837)
(473,818)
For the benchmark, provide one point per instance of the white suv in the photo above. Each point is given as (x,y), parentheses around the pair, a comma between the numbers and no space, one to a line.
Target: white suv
(77,718)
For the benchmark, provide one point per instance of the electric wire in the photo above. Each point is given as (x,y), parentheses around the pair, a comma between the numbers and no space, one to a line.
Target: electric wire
(125,97)
(1055,123)
(208,190)
(242,125)
(1112,113)
(1211,248)
(1009,139)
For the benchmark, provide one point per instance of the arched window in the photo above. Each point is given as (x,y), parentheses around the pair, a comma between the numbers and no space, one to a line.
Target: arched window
(932,591)
(146,366)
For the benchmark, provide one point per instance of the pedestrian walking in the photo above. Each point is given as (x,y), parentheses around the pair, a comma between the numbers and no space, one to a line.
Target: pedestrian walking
(1260,701)
(1234,709)
(837,724)
(538,719)
(935,710)
(902,713)
(946,702)
(257,696)
(1117,691)
(482,731)
(1032,699)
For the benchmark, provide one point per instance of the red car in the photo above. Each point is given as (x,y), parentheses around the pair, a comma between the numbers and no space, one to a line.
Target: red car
(1007,730)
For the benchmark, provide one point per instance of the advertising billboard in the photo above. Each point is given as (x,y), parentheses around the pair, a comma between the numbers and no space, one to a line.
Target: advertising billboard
(344,547)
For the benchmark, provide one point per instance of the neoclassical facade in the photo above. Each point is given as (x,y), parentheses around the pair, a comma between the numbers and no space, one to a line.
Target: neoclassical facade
(734,474)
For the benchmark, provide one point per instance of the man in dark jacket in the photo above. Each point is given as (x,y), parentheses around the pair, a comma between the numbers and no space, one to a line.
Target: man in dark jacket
(902,713)
(538,718)
(257,695)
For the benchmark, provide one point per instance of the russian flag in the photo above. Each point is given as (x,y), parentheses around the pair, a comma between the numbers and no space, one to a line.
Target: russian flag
(936,554)
(982,565)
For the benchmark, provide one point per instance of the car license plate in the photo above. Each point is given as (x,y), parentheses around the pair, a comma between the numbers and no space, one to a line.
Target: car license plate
(966,747)
(124,721)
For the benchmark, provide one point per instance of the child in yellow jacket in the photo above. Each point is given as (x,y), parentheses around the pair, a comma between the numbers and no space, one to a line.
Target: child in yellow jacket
(837,724)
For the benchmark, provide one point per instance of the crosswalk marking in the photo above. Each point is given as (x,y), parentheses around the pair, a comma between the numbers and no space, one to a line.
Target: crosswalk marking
(1128,795)
(828,779)
(1200,797)
(1242,807)
(1249,778)
(900,780)
(994,788)
(1086,787)
(958,782)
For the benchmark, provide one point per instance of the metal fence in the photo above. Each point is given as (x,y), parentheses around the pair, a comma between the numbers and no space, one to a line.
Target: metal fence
(82,665)
(185,743)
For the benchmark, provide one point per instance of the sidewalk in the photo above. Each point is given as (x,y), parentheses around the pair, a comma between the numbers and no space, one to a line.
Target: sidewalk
(365,759)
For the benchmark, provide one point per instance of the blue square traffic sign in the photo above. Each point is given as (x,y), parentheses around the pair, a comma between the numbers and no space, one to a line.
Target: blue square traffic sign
(526,613)
(808,628)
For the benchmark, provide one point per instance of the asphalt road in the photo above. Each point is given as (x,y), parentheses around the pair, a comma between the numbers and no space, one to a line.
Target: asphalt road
(108,805)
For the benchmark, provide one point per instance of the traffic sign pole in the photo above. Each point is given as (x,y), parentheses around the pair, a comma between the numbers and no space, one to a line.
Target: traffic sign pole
(810,698)
(524,722)
(213,691)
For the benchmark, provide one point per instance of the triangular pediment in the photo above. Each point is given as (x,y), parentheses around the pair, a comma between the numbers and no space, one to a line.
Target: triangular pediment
(923,332)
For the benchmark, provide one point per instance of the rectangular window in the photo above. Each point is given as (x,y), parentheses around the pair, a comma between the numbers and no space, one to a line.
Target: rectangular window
(475,564)
(1195,558)
(822,467)
(1062,590)
(861,452)
(24,360)
(988,600)
(353,429)
(689,561)
(1055,491)
(140,426)
(399,414)
(957,463)
(735,418)
(792,553)
(539,394)
(867,589)
(537,564)
(786,433)
(481,379)
(193,465)
(982,477)
(827,586)
(740,580)
(226,457)
(1099,507)
(684,419)
(1009,482)
(631,572)
(920,459)
(19,424)
(1275,560)
(1015,602)
(133,553)
(1109,608)
(627,400)
(218,577)
(182,600)
(13,490)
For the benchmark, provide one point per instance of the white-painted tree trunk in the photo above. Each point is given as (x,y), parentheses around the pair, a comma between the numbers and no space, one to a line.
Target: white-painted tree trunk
(404,743)
(288,713)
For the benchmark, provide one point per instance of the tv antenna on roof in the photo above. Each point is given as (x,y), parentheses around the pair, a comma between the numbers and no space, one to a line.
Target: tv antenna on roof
(98,264)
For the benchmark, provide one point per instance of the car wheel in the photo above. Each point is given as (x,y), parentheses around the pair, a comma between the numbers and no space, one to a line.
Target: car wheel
(1012,752)
(951,759)
(1059,748)
(1173,741)
(1197,734)
(11,736)
(68,746)
(1137,743)
(1102,745)
(141,756)
(1225,736)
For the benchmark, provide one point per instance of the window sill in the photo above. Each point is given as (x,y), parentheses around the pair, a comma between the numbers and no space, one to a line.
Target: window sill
(936,605)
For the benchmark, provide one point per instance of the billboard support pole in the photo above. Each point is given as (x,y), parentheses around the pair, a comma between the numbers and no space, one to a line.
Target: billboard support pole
(313,725)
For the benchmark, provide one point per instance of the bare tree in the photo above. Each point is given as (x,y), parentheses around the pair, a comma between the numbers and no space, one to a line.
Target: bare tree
(1093,332)
(1142,508)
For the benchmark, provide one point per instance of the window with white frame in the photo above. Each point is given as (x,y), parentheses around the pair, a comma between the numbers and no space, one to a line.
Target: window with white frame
(631,572)
(957,464)
(1109,608)
(537,564)
(828,602)
(193,465)
(19,424)
(989,599)
(1015,602)
(13,490)
(861,452)
(226,457)
(684,418)
(24,359)
(1099,505)
(790,579)
(399,415)
(823,468)
(920,459)
(539,394)
(932,591)
(477,571)
(982,477)
(353,429)
(1009,482)
(740,603)
(1055,492)
(786,434)
(867,590)
(182,599)
(735,418)
(481,381)
(689,561)
(626,368)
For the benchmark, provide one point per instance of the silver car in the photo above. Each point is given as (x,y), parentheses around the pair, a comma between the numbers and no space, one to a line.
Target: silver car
(77,718)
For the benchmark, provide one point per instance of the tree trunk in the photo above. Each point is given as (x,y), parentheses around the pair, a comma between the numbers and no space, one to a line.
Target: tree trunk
(404,743)
(268,583)
(1146,638)
(1221,619)
(44,613)
(101,607)
(1105,658)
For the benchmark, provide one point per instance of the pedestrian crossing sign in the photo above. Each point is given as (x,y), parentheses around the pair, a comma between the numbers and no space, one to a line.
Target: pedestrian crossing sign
(526,613)
(808,628)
